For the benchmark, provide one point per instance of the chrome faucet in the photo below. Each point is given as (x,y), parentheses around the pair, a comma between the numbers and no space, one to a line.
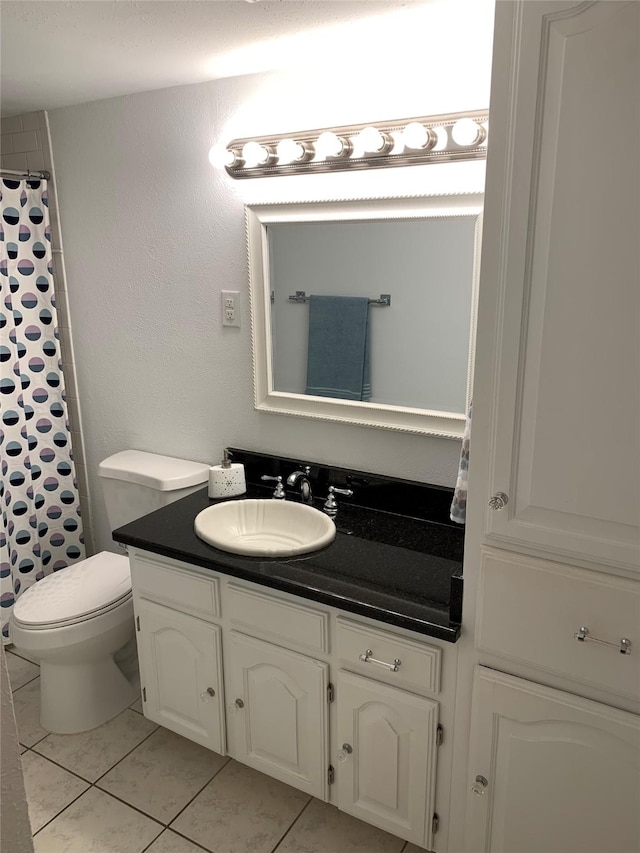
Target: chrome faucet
(302,477)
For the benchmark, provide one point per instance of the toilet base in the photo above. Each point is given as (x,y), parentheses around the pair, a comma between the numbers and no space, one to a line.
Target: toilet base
(83,696)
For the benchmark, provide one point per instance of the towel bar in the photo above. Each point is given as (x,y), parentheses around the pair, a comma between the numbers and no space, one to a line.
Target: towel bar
(301,296)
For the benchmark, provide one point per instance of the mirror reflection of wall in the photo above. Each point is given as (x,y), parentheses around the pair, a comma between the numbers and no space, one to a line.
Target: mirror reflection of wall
(420,343)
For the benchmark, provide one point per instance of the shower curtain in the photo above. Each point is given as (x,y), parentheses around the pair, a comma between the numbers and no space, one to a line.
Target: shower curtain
(40,528)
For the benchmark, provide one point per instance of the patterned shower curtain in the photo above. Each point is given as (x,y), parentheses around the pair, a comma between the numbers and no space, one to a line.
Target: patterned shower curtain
(40,529)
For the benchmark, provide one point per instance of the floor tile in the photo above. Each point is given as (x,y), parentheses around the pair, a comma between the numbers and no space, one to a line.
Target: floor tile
(163,774)
(321,828)
(241,811)
(91,754)
(169,842)
(97,823)
(26,702)
(411,848)
(21,671)
(49,788)
(137,705)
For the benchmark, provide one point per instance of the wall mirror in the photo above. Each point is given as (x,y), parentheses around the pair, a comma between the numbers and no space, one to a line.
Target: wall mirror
(410,267)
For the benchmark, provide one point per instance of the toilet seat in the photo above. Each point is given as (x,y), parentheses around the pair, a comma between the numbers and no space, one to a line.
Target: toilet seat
(81,592)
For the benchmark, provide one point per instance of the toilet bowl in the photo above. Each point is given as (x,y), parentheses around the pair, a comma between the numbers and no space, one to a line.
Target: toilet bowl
(78,623)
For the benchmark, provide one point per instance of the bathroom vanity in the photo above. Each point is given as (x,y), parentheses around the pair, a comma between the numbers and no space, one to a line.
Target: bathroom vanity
(333,672)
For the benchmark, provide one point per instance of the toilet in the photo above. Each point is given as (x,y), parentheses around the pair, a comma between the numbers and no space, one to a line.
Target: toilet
(78,622)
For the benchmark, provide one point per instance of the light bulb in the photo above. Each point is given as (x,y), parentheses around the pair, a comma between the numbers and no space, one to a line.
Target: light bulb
(288,151)
(485,127)
(371,139)
(466,132)
(417,136)
(219,157)
(254,154)
(330,144)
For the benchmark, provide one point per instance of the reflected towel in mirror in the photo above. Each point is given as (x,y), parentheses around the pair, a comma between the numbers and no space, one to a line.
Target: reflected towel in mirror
(338,363)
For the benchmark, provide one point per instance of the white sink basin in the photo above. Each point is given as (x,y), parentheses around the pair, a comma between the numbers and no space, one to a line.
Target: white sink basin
(264,528)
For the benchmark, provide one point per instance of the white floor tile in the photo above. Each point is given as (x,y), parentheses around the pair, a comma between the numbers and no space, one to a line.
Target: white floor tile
(91,754)
(241,811)
(97,823)
(49,788)
(26,702)
(21,671)
(169,842)
(321,828)
(163,774)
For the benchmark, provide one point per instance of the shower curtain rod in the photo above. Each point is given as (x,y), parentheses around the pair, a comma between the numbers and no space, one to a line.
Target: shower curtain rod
(40,174)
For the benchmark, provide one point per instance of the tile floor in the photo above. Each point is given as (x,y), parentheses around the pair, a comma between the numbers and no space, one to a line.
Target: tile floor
(133,787)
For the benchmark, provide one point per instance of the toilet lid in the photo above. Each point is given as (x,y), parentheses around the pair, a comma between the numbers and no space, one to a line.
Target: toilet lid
(88,587)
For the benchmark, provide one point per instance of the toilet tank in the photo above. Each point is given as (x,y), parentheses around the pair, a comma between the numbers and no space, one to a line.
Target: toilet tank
(136,483)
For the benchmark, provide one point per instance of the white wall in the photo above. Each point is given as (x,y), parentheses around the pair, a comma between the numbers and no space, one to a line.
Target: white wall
(152,233)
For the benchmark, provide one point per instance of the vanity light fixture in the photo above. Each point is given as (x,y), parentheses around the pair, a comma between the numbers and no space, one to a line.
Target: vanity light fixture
(408,142)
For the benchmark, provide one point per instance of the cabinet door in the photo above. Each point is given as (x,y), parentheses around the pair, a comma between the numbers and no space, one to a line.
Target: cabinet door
(278,719)
(386,760)
(550,771)
(180,668)
(558,334)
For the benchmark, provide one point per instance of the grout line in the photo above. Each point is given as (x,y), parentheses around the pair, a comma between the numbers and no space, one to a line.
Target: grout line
(62,810)
(95,782)
(186,806)
(180,835)
(15,690)
(302,811)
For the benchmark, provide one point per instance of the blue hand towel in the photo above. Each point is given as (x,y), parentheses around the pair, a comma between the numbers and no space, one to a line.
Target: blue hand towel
(338,350)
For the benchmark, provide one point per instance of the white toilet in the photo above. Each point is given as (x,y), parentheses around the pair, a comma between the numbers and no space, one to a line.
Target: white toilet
(78,622)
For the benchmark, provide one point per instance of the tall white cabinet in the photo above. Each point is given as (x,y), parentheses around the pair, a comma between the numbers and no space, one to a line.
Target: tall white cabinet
(552,575)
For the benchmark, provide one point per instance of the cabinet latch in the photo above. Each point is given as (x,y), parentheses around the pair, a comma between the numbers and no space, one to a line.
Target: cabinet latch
(439,735)
(435,823)
(331,775)
(330,693)
(144,694)
(138,622)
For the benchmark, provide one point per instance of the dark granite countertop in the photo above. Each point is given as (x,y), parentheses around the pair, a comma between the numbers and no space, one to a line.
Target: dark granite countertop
(384,564)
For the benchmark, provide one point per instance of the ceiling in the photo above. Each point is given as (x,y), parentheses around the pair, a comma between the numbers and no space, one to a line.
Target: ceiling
(56,53)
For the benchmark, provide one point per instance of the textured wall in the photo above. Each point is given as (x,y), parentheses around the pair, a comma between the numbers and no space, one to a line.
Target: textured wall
(153,233)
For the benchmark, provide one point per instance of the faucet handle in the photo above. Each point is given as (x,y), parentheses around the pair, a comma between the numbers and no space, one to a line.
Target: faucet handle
(278,493)
(330,505)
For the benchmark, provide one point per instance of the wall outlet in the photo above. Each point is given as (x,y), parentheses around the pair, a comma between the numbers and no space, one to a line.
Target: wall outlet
(230,308)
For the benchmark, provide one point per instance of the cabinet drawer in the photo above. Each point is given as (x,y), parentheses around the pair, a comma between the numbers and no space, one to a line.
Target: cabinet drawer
(168,585)
(282,621)
(529,610)
(419,664)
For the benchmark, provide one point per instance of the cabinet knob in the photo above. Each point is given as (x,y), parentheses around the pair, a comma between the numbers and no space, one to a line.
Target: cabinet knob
(480,786)
(499,501)
(345,752)
(207,694)
(239,703)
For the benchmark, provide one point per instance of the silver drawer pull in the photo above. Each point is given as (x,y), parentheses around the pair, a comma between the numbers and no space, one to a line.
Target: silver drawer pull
(367,658)
(623,646)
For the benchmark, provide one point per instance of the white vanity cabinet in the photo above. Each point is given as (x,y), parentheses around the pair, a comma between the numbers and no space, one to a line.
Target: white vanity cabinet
(559,297)
(553,772)
(386,752)
(180,654)
(346,709)
(554,482)
(278,712)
